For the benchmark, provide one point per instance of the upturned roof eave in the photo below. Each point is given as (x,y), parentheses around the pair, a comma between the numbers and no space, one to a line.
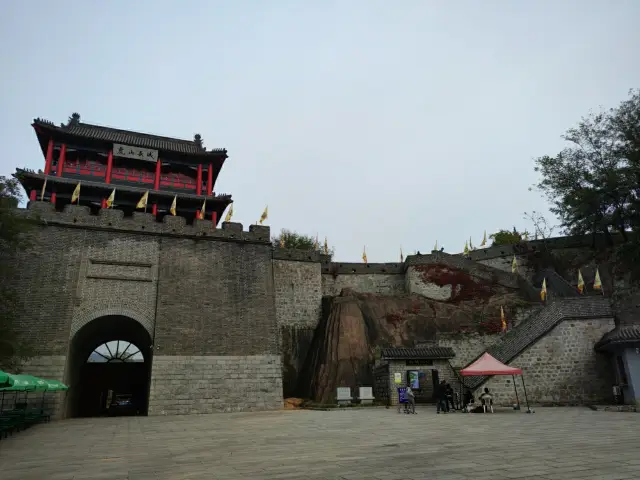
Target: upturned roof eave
(220,154)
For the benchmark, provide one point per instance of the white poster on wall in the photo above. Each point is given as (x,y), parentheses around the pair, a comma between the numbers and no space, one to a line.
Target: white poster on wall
(397,378)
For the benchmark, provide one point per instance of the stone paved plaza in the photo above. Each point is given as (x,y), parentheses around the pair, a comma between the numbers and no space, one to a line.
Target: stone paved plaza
(553,443)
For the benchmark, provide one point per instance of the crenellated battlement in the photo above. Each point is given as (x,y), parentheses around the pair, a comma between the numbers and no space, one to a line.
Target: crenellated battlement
(145,223)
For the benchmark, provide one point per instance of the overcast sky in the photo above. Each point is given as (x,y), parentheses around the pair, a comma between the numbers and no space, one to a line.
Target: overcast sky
(372,122)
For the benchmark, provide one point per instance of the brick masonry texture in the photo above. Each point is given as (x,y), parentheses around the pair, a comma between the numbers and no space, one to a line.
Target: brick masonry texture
(298,293)
(561,368)
(183,385)
(215,298)
(384,284)
(467,347)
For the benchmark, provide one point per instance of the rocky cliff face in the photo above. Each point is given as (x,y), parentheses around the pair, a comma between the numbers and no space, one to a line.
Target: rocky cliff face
(355,326)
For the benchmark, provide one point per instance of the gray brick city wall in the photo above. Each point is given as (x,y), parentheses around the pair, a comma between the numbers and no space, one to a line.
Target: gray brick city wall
(467,347)
(380,283)
(215,298)
(298,293)
(183,385)
(117,270)
(561,367)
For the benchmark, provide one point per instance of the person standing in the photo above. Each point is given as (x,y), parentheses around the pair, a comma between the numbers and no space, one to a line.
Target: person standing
(449,397)
(441,397)
(411,400)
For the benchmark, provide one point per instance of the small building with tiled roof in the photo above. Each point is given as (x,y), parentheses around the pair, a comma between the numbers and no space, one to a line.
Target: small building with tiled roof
(422,367)
(622,344)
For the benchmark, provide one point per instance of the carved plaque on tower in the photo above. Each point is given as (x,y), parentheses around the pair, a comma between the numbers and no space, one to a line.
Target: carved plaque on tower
(138,153)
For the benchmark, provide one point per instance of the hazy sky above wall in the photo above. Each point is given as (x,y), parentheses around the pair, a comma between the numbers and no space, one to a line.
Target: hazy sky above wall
(372,122)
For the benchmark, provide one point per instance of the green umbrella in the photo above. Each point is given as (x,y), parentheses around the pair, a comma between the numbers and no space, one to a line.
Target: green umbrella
(27,383)
(55,385)
(4,379)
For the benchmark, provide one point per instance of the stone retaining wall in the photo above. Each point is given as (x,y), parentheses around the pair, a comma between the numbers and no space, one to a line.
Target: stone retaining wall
(207,384)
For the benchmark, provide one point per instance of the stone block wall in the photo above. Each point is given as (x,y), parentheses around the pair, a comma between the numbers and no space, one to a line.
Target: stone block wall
(561,367)
(380,283)
(183,385)
(298,293)
(467,347)
(381,383)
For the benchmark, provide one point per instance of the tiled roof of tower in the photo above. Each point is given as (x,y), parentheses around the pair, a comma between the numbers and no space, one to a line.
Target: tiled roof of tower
(137,139)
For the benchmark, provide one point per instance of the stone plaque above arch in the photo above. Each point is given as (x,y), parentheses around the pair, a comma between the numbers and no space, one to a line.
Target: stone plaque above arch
(80,321)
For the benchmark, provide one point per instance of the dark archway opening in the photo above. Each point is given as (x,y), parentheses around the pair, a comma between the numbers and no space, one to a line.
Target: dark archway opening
(110,368)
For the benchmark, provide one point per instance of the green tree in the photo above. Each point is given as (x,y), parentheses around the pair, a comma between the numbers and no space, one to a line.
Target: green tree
(298,241)
(508,237)
(594,183)
(12,228)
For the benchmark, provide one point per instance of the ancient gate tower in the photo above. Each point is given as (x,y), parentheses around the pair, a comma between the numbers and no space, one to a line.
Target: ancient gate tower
(195,299)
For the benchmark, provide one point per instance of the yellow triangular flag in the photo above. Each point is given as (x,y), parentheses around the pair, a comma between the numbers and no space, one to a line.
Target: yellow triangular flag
(401,255)
(142,203)
(466,248)
(326,246)
(597,283)
(264,215)
(364,254)
(514,265)
(580,282)
(172,210)
(111,199)
(316,245)
(229,213)
(435,247)
(75,196)
(44,187)
(503,319)
(203,209)
(543,292)
(484,240)
(281,240)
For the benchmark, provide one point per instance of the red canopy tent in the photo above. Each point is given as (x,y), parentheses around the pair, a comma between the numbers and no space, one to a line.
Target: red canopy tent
(488,365)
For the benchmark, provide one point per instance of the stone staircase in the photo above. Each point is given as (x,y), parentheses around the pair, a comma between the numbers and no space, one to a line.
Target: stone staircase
(530,330)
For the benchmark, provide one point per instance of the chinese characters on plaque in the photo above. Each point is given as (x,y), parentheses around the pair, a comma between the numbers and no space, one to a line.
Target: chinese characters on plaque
(135,152)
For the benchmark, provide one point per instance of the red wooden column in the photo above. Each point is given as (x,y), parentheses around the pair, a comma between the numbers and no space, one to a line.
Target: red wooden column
(107,178)
(49,158)
(199,180)
(156,184)
(33,195)
(61,159)
(53,197)
(214,219)
(210,180)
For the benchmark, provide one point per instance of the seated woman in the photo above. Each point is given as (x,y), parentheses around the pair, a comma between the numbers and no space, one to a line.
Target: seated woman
(487,400)
(468,401)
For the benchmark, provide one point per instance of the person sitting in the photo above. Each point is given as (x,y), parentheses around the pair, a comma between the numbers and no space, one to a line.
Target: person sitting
(487,400)
(468,400)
